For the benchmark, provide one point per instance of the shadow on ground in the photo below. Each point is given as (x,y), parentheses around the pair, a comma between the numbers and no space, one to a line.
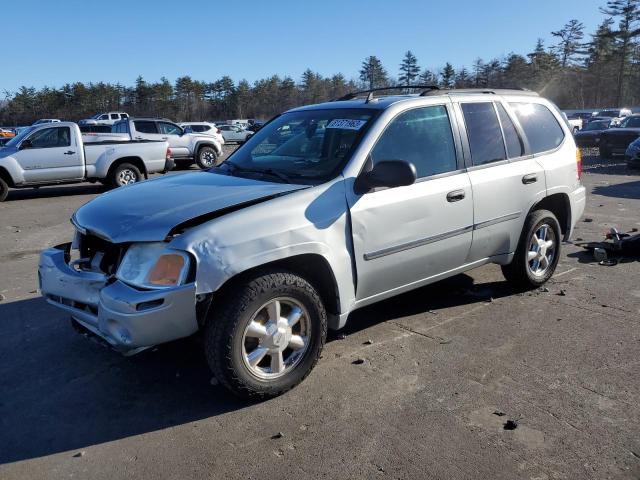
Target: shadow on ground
(61,392)
(628,190)
(59,191)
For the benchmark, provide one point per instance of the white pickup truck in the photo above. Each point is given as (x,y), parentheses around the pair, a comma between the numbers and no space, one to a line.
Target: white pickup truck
(186,147)
(50,154)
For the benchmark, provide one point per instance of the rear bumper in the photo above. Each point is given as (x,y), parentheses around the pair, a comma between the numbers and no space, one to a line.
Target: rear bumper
(128,319)
(578,200)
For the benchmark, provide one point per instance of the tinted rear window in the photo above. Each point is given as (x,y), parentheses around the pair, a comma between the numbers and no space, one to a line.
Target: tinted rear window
(145,127)
(483,130)
(540,126)
(512,139)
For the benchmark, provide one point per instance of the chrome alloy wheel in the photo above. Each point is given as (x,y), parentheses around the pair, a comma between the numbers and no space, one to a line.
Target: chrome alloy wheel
(127,177)
(208,158)
(276,338)
(542,250)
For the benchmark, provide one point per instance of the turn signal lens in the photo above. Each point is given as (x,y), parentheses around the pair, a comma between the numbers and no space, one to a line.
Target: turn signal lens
(579,163)
(167,270)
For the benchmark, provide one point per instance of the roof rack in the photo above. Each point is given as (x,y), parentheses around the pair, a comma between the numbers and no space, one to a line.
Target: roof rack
(370,92)
(486,91)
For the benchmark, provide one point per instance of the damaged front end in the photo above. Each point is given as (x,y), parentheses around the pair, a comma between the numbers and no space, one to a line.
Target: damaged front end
(81,279)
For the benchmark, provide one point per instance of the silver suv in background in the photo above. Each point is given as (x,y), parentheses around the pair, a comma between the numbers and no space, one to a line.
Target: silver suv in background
(235,133)
(326,209)
(204,128)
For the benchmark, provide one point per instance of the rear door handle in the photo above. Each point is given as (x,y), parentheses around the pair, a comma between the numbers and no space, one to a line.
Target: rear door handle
(531,178)
(69,152)
(455,196)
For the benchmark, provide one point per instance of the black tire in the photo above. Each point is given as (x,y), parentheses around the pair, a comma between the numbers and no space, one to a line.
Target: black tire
(206,158)
(224,333)
(4,190)
(124,174)
(519,271)
(605,152)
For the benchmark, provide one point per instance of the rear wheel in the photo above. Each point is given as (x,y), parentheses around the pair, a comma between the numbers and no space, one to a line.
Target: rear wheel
(538,251)
(4,190)
(267,335)
(207,158)
(125,174)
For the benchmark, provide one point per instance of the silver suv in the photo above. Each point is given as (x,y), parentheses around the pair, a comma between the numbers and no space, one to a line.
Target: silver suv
(326,209)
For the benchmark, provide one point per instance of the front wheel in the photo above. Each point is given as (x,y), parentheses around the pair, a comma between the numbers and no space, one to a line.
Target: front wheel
(538,251)
(125,174)
(207,158)
(267,335)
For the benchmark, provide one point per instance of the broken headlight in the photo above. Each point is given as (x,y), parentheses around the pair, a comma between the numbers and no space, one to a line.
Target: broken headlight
(153,265)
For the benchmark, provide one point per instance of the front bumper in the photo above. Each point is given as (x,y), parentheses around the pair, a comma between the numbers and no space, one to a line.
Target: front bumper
(128,319)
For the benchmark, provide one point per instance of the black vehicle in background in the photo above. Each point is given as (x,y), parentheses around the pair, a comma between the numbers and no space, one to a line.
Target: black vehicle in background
(95,128)
(589,136)
(615,141)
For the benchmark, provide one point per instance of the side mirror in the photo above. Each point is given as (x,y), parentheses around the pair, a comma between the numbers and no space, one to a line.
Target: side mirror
(386,173)
(26,144)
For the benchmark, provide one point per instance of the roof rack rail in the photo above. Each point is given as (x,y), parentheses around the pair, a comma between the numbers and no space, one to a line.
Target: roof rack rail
(486,91)
(370,92)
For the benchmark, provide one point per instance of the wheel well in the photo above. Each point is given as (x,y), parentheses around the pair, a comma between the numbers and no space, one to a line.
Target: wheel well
(136,161)
(559,205)
(200,146)
(312,267)
(6,177)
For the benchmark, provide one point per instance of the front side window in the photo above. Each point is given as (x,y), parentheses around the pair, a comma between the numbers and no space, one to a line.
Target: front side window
(51,138)
(421,136)
(540,126)
(310,145)
(115,116)
(104,117)
(169,128)
(483,131)
(145,126)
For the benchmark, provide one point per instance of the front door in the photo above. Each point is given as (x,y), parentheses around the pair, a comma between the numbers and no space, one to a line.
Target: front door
(178,140)
(50,154)
(404,236)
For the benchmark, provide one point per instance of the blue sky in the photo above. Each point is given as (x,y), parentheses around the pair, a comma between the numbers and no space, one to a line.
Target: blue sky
(52,42)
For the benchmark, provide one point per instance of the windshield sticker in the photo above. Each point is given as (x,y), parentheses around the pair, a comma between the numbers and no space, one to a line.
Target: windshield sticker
(346,124)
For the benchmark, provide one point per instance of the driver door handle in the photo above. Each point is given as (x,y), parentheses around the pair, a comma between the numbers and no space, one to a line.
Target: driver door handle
(455,196)
(69,152)
(531,178)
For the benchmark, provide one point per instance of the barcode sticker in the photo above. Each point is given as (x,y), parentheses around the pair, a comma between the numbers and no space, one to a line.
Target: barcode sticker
(346,124)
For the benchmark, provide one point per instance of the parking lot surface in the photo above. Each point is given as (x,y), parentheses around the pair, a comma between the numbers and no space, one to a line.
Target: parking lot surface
(463,379)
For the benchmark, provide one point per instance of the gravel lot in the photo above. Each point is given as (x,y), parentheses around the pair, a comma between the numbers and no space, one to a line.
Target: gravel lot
(443,370)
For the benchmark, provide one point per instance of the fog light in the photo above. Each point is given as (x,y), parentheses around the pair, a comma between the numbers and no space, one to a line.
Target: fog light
(125,336)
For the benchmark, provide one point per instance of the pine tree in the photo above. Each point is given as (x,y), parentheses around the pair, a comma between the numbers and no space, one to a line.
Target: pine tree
(409,69)
(447,75)
(373,73)
(628,13)
(462,79)
(570,44)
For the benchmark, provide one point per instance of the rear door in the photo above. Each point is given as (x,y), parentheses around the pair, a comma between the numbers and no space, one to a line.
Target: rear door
(505,179)
(54,154)
(145,130)
(405,235)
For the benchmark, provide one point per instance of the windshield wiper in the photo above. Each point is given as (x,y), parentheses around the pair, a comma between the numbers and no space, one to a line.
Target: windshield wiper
(267,171)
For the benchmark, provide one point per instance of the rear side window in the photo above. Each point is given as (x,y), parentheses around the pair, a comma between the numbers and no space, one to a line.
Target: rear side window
(540,126)
(515,147)
(483,131)
(115,116)
(145,126)
(421,136)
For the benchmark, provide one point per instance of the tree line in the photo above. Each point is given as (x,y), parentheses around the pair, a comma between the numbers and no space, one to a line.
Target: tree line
(579,70)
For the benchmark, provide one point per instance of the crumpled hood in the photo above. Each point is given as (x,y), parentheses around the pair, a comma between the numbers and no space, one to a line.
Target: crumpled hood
(148,211)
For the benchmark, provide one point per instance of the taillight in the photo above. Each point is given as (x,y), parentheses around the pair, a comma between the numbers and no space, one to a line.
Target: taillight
(168,156)
(579,163)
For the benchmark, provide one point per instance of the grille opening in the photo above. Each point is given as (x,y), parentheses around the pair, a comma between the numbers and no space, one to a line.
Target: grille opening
(110,254)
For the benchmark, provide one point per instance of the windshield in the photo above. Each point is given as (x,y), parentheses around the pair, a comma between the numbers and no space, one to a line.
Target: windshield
(630,122)
(18,138)
(596,125)
(309,145)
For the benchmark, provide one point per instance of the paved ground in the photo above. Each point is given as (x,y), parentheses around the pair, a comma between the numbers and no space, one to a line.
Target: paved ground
(447,367)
